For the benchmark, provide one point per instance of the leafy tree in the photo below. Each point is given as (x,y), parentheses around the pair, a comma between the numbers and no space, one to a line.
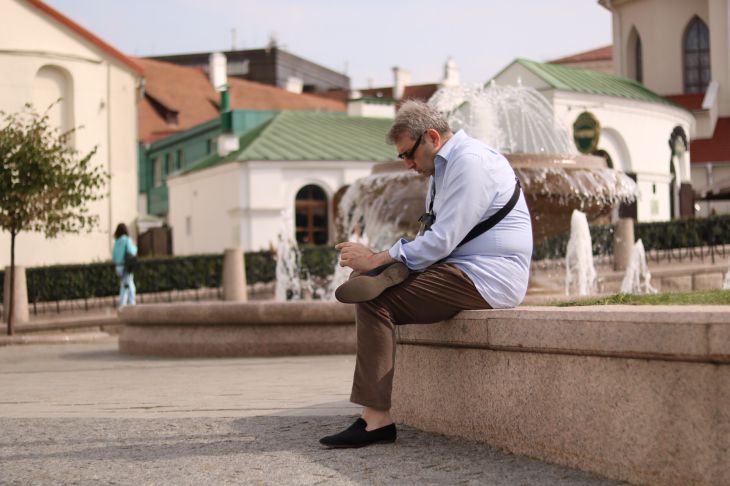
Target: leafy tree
(45,184)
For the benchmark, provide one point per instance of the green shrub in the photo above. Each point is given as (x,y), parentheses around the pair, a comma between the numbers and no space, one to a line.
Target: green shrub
(665,235)
(161,274)
(319,261)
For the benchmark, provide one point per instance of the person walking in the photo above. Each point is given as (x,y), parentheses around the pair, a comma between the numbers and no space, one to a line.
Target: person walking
(124,256)
(473,252)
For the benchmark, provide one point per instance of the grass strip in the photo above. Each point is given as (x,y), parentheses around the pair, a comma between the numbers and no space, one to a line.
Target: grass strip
(710,297)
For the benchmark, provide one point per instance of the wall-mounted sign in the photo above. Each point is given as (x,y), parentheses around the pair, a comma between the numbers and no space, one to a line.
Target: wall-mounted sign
(586,132)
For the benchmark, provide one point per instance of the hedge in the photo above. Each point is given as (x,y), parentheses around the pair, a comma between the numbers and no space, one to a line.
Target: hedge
(665,235)
(161,274)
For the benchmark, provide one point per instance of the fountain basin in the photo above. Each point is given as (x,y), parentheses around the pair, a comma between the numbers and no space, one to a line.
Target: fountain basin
(554,186)
(234,329)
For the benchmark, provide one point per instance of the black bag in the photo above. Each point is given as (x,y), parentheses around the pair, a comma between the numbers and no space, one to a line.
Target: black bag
(130,263)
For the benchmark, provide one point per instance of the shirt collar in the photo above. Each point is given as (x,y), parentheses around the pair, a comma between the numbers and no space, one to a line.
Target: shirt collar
(445,151)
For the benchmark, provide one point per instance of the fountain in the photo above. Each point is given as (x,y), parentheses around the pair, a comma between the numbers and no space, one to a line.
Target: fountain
(378,209)
(580,273)
(288,262)
(637,270)
(520,123)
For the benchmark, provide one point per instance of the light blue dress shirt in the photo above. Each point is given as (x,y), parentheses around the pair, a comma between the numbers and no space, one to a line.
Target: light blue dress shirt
(473,181)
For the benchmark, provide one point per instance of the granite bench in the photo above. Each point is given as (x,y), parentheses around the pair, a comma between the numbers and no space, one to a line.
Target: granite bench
(635,393)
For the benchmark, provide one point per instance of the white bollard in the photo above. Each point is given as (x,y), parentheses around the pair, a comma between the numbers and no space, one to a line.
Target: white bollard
(20,296)
(623,243)
(234,275)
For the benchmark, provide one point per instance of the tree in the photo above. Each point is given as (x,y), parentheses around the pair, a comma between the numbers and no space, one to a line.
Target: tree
(44,184)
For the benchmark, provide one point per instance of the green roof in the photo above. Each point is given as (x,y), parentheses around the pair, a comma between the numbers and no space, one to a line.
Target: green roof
(592,82)
(301,135)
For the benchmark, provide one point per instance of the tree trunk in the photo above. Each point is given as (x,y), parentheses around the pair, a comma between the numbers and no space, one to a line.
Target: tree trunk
(12,284)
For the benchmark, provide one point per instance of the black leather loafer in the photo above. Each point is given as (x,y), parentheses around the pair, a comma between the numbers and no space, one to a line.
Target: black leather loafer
(368,285)
(356,436)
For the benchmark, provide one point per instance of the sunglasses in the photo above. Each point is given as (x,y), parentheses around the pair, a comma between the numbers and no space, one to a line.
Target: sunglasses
(408,155)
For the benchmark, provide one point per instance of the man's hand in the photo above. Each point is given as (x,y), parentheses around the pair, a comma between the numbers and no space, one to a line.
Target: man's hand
(360,258)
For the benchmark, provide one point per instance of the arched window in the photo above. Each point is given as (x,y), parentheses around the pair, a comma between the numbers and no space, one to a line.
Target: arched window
(311,215)
(696,56)
(636,56)
(53,87)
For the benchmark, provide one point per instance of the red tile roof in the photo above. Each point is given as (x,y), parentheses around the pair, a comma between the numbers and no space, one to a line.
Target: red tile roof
(258,96)
(600,54)
(62,19)
(691,101)
(177,98)
(417,91)
(715,149)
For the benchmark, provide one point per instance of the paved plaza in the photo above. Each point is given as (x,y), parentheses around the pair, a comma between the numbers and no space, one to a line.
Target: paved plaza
(85,414)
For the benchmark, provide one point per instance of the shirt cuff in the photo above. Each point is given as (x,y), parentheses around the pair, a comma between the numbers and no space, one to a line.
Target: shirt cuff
(396,251)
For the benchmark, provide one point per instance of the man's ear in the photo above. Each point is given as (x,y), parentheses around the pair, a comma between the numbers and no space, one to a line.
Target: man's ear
(435,137)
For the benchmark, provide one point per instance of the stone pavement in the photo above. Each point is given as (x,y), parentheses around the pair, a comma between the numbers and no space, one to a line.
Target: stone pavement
(85,414)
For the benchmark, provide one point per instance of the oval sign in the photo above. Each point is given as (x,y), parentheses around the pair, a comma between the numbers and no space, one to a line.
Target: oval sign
(586,132)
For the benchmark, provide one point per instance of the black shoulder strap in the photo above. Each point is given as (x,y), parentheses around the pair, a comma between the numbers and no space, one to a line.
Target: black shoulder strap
(488,224)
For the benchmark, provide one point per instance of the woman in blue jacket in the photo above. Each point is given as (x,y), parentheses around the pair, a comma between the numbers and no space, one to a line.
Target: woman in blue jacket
(123,250)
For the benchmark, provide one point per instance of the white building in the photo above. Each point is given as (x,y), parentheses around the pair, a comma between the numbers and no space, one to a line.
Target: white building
(45,56)
(679,49)
(297,162)
(635,126)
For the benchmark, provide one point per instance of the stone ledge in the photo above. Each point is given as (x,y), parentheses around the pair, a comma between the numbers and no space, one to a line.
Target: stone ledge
(233,329)
(105,322)
(236,313)
(638,394)
(678,333)
(74,338)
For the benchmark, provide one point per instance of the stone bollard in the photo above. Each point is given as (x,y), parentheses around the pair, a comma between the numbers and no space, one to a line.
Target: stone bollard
(234,275)
(20,296)
(623,243)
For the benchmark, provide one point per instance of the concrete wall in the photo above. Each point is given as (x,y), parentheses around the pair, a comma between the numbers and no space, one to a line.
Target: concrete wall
(101,98)
(241,203)
(635,393)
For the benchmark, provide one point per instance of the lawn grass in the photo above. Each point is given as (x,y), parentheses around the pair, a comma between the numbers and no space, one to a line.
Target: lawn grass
(711,297)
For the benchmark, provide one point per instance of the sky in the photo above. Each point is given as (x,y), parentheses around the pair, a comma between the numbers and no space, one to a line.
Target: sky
(364,39)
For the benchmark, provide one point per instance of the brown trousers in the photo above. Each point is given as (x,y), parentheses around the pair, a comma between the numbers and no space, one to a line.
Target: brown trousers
(431,296)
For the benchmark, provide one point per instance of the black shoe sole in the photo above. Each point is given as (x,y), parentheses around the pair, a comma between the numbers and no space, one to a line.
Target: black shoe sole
(357,446)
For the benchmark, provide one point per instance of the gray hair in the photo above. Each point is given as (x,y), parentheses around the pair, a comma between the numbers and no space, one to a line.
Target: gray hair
(415,117)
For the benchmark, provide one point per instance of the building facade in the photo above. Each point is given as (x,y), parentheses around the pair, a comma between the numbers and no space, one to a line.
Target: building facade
(47,57)
(633,127)
(296,163)
(180,122)
(680,49)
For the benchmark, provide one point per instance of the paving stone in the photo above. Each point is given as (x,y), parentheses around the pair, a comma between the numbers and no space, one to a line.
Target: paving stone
(84,414)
